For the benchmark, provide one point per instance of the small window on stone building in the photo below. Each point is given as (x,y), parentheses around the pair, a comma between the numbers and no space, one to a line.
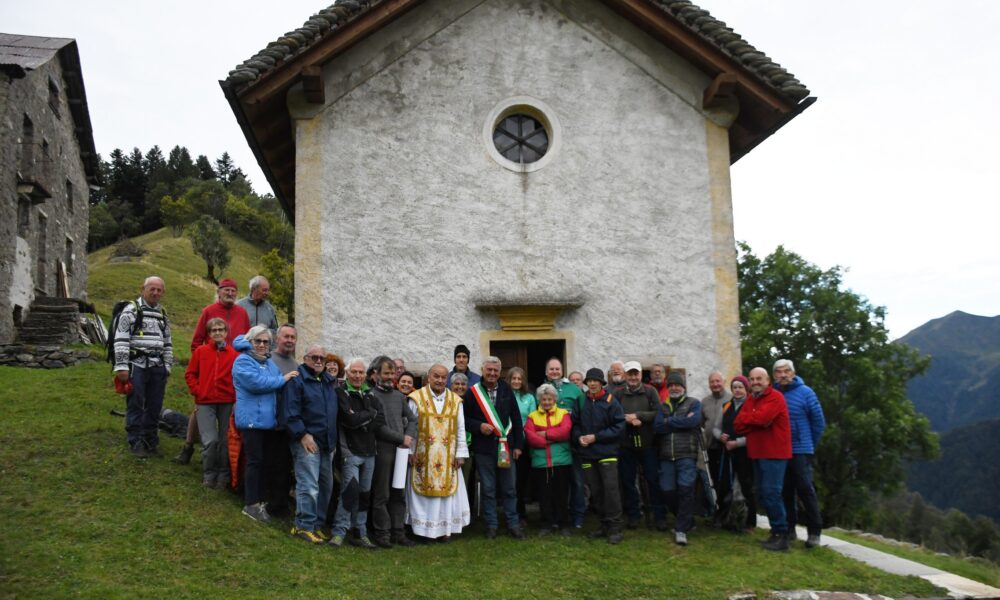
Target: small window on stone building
(54,98)
(521,138)
(27,143)
(69,195)
(68,259)
(23,218)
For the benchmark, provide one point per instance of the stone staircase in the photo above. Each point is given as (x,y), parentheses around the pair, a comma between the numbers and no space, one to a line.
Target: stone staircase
(51,322)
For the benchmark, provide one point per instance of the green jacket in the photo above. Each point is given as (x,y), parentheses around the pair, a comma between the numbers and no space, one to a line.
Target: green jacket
(570,397)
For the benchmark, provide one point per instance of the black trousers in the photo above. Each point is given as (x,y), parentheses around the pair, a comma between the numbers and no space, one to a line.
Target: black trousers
(602,478)
(739,464)
(799,482)
(388,505)
(552,486)
(267,468)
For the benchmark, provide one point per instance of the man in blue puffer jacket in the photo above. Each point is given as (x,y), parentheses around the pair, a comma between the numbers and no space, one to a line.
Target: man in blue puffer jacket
(808,423)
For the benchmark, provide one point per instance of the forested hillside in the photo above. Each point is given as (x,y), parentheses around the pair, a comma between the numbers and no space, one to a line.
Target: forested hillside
(962,385)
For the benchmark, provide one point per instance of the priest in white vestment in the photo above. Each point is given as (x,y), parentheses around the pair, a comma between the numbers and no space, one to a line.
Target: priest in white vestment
(436,499)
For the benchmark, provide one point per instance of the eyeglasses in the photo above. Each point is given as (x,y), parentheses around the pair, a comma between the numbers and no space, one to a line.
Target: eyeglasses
(217,330)
(261,342)
(315,357)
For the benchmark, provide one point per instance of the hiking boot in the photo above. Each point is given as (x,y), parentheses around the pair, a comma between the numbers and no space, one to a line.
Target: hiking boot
(154,451)
(362,542)
(209,481)
(322,534)
(598,533)
(680,538)
(517,533)
(615,536)
(778,542)
(184,456)
(792,535)
(812,541)
(336,541)
(633,523)
(139,451)
(382,540)
(491,533)
(222,484)
(257,512)
(547,531)
(399,538)
(305,534)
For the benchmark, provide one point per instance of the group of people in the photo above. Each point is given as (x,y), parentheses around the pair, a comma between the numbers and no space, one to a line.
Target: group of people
(407,458)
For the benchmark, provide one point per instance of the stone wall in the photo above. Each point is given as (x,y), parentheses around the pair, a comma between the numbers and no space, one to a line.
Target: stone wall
(41,357)
(405,223)
(66,219)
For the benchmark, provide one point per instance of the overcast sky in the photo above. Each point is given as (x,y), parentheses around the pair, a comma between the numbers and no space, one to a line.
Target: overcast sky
(890,174)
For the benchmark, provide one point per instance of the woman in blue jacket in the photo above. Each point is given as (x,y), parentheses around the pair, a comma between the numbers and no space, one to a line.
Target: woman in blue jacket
(257,380)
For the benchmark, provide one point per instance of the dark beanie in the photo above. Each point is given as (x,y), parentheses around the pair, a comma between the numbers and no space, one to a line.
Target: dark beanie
(461,349)
(741,379)
(676,377)
(594,373)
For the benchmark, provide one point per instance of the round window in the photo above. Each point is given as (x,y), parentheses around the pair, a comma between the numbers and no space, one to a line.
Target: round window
(522,134)
(521,138)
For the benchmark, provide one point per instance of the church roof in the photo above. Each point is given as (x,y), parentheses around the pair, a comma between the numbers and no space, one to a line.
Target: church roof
(698,20)
(768,95)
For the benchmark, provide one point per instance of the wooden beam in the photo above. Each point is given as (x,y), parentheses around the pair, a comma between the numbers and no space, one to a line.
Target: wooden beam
(696,49)
(280,78)
(312,84)
(720,90)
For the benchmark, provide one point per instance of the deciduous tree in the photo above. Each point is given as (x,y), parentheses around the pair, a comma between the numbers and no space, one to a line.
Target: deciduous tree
(206,235)
(790,308)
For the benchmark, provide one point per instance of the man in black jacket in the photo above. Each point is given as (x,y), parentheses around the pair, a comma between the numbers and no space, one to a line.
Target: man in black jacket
(360,419)
(494,420)
(597,430)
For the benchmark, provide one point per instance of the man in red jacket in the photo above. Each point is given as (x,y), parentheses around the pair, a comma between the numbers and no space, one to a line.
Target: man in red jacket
(764,422)
(225,308)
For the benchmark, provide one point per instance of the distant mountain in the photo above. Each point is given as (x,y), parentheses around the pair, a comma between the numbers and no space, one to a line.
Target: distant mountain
(962,385)
(967,475)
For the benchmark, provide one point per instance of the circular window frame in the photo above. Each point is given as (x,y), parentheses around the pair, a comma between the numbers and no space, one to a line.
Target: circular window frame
(535,109)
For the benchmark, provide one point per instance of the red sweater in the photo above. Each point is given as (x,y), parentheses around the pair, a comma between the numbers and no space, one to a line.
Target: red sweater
(209,375)
(764,421)
(236,319)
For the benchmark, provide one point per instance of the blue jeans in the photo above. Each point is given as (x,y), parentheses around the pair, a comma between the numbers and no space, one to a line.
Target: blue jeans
(143,405)
(679,475)
(577,494)
(361,469)
(799,482)
(769,478)
(490,478)
(629,459)
(313,486)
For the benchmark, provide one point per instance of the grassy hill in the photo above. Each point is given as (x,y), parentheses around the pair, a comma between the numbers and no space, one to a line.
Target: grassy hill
(81,517)
(183,272)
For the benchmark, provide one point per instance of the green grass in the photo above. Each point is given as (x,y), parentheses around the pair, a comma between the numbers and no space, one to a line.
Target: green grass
(79,516)
(977,569)
(187,289)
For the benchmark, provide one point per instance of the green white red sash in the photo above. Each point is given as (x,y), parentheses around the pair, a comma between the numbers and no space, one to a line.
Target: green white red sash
(493,418)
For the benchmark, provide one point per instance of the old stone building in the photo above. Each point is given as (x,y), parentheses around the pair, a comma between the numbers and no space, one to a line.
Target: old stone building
(528,177)
(47,167)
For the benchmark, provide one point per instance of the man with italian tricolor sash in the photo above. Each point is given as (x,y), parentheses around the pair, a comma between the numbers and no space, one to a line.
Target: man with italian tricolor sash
(494,419)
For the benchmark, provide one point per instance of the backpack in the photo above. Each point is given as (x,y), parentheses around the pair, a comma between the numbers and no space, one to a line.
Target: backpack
(173,423)
(733,513)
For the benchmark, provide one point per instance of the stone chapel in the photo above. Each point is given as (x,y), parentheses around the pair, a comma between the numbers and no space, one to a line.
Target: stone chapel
(531,178)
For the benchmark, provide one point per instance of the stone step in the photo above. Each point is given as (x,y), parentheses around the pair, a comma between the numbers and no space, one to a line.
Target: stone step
(44,340)
(53,301)
(53,309)
(44,320)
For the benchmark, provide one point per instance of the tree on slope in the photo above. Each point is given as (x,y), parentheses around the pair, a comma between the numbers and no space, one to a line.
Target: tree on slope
(790,308)
(207,241)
